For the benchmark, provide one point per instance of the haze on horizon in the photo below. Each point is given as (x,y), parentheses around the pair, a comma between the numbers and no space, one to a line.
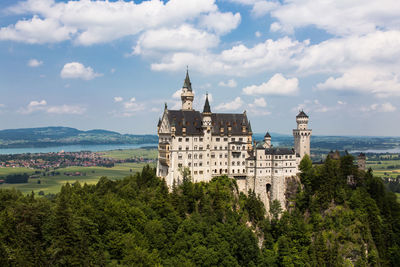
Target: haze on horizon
(112,64)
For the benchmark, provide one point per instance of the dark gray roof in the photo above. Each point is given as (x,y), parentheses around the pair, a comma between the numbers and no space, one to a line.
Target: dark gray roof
(187,84)
(192,120)
(207,108)
(279,151)
(302,114)
(226,120)
(267,135)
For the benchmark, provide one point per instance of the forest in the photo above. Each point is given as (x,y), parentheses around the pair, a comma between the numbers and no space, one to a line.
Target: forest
(340,216)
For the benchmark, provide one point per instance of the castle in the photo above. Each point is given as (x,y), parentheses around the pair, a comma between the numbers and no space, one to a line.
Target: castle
(214,144)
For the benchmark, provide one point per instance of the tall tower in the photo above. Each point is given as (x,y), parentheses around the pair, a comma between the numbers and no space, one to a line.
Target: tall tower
(187,95)
(302,135)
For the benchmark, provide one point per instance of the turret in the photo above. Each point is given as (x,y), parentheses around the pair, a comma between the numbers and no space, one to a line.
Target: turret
(206,115)
(267,140)
(187,95)
(302,135)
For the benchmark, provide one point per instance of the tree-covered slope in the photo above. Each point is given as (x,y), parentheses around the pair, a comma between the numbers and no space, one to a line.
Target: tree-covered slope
(53,136)
(340,217)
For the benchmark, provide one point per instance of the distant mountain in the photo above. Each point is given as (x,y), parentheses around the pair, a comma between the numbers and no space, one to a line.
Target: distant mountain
(54,136)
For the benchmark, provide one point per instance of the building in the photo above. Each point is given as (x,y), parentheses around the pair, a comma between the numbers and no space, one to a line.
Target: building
(212,144)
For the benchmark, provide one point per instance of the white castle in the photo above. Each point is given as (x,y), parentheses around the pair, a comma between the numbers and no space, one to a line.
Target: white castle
(214,144)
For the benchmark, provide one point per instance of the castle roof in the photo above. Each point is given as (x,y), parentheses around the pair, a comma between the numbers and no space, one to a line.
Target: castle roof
(267,135)
(187,84)
(302,114)
(191,119)
(207,108)
(279,151)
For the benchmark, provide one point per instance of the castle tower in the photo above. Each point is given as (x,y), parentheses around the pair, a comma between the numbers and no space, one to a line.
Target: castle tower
(187,95)
(302,135)
(267,140)
(361,160)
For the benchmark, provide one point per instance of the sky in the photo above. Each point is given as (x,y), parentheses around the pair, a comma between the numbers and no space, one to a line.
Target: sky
(113,64)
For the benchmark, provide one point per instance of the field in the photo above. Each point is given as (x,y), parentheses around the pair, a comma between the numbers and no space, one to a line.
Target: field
(131,153)
(88,175)
(52,184)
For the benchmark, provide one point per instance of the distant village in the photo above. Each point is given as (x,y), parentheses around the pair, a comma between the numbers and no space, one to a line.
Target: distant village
(45,161)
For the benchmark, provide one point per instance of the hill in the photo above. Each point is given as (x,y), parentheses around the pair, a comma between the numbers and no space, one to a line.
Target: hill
(55,136)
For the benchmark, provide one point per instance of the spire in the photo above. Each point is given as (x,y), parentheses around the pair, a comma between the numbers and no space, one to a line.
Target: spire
(187,84)
(267,135)
(249,130)
(302,114)
(207,108)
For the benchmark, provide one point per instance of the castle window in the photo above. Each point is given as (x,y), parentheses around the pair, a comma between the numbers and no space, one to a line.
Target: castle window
(276,171)
(180,139)
(187,148)
(195,156)
(215,148)
(200,147)
(217,139)
(212,155)
(226,155)
(195,139)
(195,172)
(187,139)
(195,164)
(244,170)
(180,147)
(201,139)
(233,163)
(233,139)
(220,156)
(220,147)
(243,163)
(200,156)
(225,139)
(240,139)
(200,163)
(276,164)
(190,164)
(180,165)
(200,172)
(179,156)
(233,171)
(195,147)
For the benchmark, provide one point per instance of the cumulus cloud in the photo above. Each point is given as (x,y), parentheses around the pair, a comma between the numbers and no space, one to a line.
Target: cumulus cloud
(277,85)
(118,99)
(34,106)
(92,22)
(34,63)
(258,102)
(128,108)
(76,70)
(233,105)
(372,80)
(231,83)
(220,23)
(384,107)
(183,38)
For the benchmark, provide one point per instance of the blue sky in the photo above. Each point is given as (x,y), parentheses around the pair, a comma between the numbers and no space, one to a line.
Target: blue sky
(112,64)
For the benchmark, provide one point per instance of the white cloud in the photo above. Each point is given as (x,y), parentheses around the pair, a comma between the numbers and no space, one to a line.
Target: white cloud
(118,99)
(183,38)
(91,22)
(258,102)
(261,8)
(257,34)
(339,17)
(231,83)
(34,106)
(384,107)
(177,94)
(233,105)
(239,60)
(66,109)
(371,80)
(34,63)
(76,70)
(277,85)
(220,23)
(37,31)
(128,108)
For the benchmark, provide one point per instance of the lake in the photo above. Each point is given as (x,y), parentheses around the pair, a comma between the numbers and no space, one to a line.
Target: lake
(380,151)
(71,148)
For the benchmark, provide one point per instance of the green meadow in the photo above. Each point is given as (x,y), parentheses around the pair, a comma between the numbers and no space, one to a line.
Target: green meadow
(52,184)
(89,175)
